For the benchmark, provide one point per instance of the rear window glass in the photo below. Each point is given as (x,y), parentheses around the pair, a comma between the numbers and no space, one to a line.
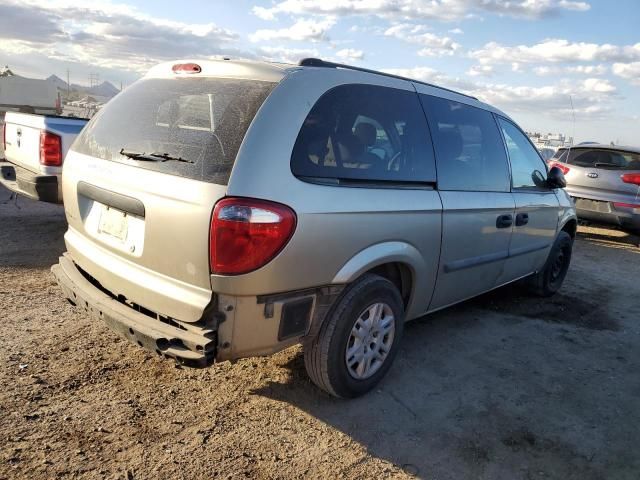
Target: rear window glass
(612,159)
(470,152)
(201,120)
(365,132)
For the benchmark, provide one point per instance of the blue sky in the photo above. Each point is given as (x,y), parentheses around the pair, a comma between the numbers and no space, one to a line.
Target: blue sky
(527,57)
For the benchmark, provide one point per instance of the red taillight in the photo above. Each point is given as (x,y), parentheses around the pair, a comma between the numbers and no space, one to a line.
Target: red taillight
(561,166)
(631,178)
(626,205)
(50,149)
(246,234)
(186,68)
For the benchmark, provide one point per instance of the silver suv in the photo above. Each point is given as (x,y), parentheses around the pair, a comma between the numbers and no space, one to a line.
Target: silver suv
(224,209)
(604,181)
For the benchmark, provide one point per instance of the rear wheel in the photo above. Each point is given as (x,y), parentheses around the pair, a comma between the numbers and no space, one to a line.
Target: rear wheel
(359,340)
(549,280)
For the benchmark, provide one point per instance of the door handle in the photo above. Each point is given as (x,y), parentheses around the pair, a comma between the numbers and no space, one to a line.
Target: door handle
(522,219)
(504,221)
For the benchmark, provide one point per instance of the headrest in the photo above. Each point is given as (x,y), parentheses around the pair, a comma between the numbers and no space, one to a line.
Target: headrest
(366,133)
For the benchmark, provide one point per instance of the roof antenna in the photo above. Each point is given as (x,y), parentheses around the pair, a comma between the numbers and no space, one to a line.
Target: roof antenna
(573,134)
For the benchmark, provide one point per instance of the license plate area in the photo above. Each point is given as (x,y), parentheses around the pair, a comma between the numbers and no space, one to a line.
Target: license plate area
(114,223)
(122,231)
(593,205)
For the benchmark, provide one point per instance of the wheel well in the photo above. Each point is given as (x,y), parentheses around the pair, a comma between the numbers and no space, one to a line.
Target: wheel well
(400,275)
(571,227)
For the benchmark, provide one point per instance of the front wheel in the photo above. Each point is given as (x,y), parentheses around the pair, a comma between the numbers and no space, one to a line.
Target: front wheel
(549,280)
(357,343)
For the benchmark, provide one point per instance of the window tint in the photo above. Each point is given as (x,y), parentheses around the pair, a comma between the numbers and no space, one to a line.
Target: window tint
(202,120)
(365,132)
(469,149)
(527,168)
(605,159)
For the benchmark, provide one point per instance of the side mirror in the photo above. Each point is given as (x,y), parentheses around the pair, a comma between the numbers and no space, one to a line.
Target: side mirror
(555,178)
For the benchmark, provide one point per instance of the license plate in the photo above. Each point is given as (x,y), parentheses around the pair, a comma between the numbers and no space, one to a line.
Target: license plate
(593,205)
(113,223)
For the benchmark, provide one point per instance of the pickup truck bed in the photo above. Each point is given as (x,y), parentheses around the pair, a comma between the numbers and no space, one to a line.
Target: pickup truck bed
(34,149)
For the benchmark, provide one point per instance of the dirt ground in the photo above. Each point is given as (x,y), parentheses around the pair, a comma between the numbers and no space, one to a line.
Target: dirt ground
(506,386)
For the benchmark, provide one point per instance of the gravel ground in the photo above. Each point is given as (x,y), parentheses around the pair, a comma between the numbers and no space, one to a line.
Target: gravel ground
(506,386)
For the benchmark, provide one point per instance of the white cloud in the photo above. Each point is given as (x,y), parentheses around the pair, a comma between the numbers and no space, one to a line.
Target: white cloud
(430,75)
(592,97)
(556,51)
(432,45)
(481,70)
(547,70)
(446,10)
(350,54)
(302,30)
(629,71)
(105,35)
(286,55)
(456,31)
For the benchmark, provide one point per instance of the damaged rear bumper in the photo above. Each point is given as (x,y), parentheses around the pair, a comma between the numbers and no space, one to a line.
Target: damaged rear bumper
(189,344)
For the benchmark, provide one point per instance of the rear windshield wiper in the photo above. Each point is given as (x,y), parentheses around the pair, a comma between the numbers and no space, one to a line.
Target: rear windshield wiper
(152,157)
(605,164)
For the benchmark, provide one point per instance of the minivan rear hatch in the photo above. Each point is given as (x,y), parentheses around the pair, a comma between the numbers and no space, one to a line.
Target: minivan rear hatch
(141,181)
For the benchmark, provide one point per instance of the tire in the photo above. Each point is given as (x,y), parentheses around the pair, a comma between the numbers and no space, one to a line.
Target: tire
(325,356)
(549,280)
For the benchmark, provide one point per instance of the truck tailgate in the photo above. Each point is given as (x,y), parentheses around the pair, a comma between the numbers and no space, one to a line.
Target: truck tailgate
(22,145)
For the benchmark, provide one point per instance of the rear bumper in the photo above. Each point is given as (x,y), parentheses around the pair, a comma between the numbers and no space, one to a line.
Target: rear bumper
(192,345)
(609,213)
(45,188)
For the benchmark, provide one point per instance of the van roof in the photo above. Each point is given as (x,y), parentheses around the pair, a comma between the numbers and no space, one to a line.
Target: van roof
(274,72)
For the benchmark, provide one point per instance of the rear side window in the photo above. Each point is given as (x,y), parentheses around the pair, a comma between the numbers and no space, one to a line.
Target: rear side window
(365,132)
(202,120)
(612,159)
(528,171)
(560,155)
(470,152)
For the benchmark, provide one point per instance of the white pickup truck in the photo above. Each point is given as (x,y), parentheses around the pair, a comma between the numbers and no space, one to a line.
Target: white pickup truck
(34,149)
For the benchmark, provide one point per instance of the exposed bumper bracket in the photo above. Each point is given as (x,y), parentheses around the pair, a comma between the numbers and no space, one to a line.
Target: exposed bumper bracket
(194,346)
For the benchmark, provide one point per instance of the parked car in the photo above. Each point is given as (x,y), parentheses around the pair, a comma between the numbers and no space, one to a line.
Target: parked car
(220,210)
(34,149)
(604,181)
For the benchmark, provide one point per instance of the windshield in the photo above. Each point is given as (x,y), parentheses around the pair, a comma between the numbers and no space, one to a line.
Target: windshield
(200,120)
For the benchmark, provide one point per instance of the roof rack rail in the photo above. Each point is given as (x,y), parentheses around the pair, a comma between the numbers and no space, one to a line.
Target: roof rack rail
(318,62)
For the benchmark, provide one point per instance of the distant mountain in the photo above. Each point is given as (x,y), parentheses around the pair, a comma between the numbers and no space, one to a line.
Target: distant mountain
(57,81)
(105,89)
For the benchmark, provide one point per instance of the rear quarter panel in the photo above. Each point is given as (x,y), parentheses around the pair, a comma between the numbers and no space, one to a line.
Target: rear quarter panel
(335,225)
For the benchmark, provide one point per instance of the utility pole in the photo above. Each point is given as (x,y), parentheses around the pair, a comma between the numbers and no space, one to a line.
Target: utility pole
(93,79)
(68,86)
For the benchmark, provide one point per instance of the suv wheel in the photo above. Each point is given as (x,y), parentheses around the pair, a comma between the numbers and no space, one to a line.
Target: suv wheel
(549,280)
(358,340)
